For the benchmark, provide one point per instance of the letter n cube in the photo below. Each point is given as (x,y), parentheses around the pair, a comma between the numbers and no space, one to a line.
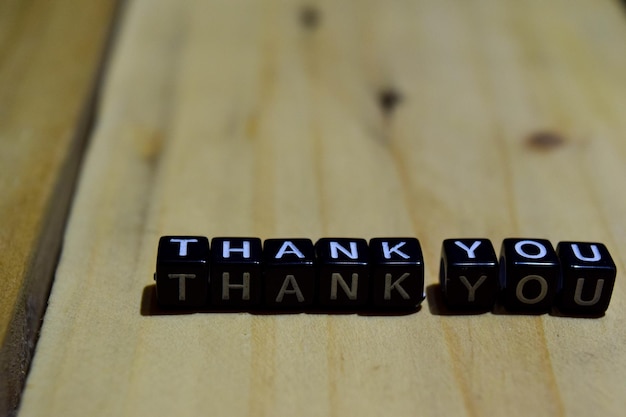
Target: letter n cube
(343,272)
(529,275)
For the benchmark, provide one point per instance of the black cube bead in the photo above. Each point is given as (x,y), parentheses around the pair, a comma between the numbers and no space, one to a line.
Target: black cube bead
(342,272)
(588,277)
(469,274)
(235,280)
(396,272)
(529,274)
(182,271)
(290,275)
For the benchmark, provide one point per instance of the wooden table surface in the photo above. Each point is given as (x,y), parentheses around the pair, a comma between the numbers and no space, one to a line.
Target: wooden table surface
(49,65)
(426,118)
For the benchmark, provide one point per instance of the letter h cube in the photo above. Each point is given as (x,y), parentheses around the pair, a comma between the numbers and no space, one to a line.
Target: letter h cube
(235,280)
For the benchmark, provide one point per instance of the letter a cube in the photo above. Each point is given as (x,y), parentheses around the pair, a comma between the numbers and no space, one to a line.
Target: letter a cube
(290,274)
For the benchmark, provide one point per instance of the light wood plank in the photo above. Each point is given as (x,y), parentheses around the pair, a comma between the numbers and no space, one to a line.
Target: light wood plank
(234,118)
(49,56)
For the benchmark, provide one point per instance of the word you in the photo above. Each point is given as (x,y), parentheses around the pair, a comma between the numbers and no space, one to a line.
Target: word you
(386,273)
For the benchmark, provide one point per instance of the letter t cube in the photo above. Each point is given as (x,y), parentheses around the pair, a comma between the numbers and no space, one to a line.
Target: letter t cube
(182,271)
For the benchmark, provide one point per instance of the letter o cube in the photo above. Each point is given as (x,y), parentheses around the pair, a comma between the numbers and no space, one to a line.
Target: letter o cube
(529,275)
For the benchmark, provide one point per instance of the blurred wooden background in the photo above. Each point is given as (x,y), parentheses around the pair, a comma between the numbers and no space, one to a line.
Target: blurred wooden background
(285,118)
(49,65)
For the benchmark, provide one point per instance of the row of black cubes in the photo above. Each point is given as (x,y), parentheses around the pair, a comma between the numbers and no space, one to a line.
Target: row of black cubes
(388,273)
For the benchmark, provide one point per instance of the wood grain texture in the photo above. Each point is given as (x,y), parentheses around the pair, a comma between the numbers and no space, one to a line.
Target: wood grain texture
(49,57)
(265,119)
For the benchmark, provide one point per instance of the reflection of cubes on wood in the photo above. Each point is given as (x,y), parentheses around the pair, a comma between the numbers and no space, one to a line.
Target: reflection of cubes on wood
(235,280)
(289,273)
(587,279)
(342,272)
(396,272)
(182,271)
(529,274)
(469,274)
